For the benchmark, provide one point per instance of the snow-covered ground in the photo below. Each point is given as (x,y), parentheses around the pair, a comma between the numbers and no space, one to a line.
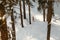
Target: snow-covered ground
(38,29)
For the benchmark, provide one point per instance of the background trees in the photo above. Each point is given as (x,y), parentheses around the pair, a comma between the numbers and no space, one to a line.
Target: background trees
(7,4)
(50,13)
(41,5)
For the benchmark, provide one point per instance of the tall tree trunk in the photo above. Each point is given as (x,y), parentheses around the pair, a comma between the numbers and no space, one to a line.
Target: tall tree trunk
(21,14)
(48,31)
(44,12)
(44,7)
(49,18)
(13,26)
(3,25)
(24,9)
(29,12)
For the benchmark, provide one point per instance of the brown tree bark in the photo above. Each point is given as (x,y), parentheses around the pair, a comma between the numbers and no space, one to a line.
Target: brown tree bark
(3,25)
(49,18)
(4,32)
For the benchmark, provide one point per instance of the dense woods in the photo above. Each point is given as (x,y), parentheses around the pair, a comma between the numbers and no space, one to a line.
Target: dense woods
(6,7)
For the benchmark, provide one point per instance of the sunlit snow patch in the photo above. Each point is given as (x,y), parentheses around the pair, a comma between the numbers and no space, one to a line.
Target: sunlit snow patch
(39,17)
(51,38)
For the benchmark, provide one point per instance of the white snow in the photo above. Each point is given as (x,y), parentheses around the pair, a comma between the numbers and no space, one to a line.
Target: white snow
(38,29)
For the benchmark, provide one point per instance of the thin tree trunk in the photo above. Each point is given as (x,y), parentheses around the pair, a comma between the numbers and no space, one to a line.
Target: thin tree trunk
(13,24)
(49,18)
(44,7)
(44,12)
(24,9)
(48,31)
(29,12)
(21,14)
(13,27)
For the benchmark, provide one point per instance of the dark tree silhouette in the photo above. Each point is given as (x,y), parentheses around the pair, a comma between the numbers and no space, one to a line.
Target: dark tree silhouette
(24,9)
(29,11)
(21,14)
(13,26)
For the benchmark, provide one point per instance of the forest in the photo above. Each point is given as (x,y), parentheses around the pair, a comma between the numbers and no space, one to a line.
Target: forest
(29,19)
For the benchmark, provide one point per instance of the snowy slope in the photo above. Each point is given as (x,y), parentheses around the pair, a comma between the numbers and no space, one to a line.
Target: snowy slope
(35,31)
